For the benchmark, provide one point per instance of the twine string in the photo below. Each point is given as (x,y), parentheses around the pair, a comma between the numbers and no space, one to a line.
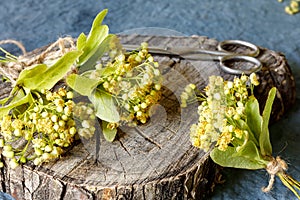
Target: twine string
(61,43)
(273,167)
(12,70)
(15,42)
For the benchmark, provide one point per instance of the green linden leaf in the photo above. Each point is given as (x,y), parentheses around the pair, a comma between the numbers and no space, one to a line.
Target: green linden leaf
(83,85)
(264,139)
(53,74)
(244,126)
(97,34)
(19,94)
(91,45)
(17,101)
(4,100)
(30,72)
(14,96)
(23,107)
(250,151)
(87,74)
(81,41)
(227,159)
(92,56)
(104,72)
(104,105)
(109,134)
(94,35)
(254,119)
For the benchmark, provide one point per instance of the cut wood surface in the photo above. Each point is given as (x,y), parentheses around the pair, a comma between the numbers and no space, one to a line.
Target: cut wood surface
(151,161)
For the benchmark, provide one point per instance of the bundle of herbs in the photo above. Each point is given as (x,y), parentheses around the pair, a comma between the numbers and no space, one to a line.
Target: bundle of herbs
(43,114)
(234,130)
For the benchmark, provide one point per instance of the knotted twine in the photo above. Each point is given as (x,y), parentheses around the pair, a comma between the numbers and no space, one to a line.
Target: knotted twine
(274,167)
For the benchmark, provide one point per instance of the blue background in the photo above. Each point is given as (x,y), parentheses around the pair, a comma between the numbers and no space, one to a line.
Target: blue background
(39,22)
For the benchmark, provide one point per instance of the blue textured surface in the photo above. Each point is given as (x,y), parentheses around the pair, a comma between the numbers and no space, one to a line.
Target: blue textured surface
(39,22)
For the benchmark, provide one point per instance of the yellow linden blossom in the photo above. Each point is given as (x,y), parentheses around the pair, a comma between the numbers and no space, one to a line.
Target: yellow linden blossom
(187,94)
(239,133)
(221,111)
(293,8)
(253,79)
(211,116)
(223,141)
(195,132)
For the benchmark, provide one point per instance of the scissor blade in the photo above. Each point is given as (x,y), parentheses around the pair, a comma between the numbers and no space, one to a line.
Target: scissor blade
(155,50)
(184,52)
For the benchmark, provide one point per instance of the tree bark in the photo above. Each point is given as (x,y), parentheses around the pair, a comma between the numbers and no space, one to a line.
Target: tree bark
(155,160)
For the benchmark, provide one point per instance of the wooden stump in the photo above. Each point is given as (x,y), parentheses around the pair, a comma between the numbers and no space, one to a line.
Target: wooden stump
(153,161)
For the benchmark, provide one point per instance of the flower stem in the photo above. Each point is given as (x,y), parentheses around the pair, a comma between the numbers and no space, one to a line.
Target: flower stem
(290,183)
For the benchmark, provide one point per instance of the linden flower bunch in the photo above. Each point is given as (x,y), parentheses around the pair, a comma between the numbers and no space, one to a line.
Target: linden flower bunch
(44,129)
(122,90)
(135,85)
(224,105)
(231,126)
(122,86)
(85,119)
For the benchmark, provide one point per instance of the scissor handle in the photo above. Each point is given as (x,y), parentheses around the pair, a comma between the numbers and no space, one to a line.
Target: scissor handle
(254,49)
(234,58)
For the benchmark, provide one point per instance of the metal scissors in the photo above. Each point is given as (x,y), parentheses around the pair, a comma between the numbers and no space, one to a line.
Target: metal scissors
(222,55)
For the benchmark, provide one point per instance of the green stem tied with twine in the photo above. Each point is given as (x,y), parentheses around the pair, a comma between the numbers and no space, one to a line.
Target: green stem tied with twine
(231,124)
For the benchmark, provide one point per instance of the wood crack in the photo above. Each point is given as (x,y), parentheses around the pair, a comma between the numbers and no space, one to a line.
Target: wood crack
(123,146)
(63,192)
(123,168)
(3,178)
(141,133)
